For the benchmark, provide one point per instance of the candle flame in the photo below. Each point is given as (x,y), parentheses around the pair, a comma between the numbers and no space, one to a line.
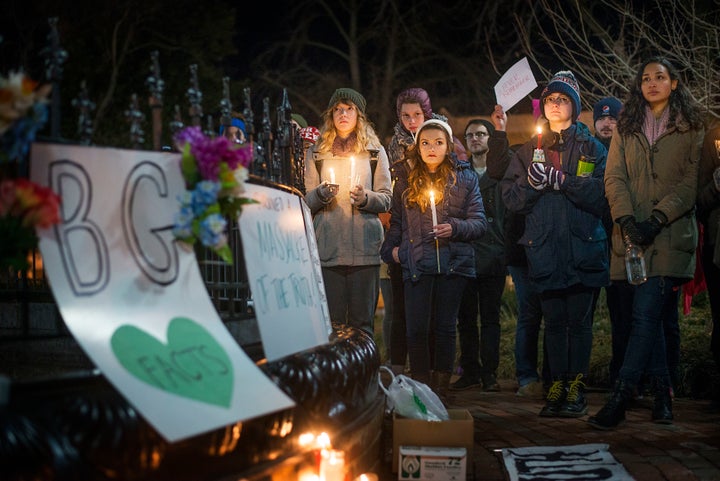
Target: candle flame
(323,440)
(306,438)
(432,196)
(539,129)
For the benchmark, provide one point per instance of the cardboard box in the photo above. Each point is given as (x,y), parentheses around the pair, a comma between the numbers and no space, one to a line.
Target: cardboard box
(455,432)
(423,463)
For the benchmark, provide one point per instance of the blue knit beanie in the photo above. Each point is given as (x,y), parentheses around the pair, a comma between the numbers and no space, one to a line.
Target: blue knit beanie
(564,83)
(607,107)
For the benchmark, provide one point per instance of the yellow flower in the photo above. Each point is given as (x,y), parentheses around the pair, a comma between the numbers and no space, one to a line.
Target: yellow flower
(17,94)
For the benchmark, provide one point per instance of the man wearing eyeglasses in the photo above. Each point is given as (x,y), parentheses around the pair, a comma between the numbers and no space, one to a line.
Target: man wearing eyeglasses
(480,352)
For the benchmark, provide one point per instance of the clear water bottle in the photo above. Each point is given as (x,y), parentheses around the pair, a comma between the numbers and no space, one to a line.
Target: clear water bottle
(634,263)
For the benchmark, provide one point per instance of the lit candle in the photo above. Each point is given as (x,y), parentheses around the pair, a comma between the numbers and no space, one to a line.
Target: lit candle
(332,466)
(308,476)
(432,207)
(332,175)
(539,132)
(352,172)
(367,477)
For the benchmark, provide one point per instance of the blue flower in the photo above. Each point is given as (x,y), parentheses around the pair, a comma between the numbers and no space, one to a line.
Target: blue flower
(204,195)
(182,227)
(212,231)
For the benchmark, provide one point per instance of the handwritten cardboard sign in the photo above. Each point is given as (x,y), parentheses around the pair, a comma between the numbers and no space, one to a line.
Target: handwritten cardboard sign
(283,269)
(515,84)
(135,300)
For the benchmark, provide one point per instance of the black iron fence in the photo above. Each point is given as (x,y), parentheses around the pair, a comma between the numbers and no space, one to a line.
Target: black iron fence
(61,420)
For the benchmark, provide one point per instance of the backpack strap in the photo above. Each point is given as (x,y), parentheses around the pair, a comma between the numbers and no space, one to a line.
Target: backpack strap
(374,155)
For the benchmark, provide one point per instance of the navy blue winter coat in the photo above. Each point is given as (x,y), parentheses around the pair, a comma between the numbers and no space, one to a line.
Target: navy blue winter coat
(462,207)
(564,238)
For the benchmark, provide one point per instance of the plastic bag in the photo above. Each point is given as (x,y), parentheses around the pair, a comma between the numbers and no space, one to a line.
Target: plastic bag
(413,399)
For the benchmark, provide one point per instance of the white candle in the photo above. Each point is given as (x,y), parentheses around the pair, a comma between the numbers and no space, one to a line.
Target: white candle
(432,207)
(332,175)
(332,466)
(352,172)
(367,477)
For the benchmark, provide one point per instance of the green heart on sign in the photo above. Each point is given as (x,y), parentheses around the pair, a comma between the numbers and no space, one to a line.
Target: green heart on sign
(192,364)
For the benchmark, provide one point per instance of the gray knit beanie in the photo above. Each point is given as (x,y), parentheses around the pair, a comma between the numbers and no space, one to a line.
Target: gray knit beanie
(346,93)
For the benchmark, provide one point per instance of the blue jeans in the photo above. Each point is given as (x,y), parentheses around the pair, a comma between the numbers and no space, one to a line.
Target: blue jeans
(480,351)
(432,304)
(527,331)
(568,317)
(645,351)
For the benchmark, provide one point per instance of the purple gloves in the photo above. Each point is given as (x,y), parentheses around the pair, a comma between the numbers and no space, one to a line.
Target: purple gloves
(537,178)
(555,177)
(540,176)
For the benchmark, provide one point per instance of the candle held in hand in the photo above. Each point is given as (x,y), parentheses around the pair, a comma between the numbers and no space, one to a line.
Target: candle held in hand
(332,175)
(432,208)
(539,132)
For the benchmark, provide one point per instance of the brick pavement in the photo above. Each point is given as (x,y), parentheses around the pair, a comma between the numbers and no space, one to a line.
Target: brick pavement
(687,450)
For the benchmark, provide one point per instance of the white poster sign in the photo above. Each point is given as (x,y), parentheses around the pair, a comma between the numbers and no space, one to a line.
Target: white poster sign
(135,300)
(282,266)
(515,84)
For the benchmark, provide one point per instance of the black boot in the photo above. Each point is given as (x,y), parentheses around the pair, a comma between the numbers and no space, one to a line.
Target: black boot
(557,394)
(613,413)
(662,405)
(576,405)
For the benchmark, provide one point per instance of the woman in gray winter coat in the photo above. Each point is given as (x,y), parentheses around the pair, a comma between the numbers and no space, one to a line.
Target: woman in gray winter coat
(347,180)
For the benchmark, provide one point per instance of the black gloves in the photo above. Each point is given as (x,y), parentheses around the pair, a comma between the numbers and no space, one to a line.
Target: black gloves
(630,230)
(652,226)
(642,233)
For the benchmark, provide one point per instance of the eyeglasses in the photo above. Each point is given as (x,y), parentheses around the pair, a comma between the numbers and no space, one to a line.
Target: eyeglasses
(557,100)
(476,135)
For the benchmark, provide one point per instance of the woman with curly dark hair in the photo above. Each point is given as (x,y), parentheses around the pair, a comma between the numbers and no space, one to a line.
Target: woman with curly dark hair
(651,184)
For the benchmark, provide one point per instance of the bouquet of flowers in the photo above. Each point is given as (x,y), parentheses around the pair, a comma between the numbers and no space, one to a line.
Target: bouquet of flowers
(23,111)
(215,171)
(24,205)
